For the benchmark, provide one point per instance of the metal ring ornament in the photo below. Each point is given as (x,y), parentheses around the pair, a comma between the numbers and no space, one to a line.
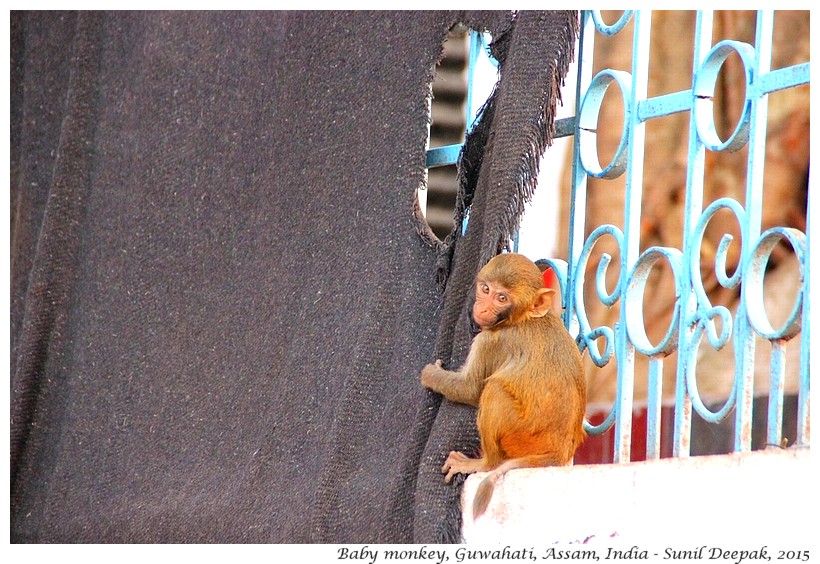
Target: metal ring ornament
(753,279)
(706,313)
(601,427)
(587,335)
(692,387)
(703,92)
(704,320)
(617,27)
(633,301)
(588,124)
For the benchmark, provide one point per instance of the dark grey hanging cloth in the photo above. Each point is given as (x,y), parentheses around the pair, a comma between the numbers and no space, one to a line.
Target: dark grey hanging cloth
(221,293)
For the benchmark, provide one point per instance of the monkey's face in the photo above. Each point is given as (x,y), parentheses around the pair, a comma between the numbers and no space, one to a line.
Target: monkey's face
(509,290)
(493,304)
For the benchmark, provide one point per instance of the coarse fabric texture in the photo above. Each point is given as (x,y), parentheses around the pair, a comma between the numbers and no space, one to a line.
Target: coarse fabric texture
(222,293)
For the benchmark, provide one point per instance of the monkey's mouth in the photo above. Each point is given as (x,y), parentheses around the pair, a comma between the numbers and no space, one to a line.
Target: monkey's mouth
(485,320)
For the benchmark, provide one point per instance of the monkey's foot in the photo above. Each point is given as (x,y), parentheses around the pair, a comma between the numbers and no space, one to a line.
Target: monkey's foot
(460,463)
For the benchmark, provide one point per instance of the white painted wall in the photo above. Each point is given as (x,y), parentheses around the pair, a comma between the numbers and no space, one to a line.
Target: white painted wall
(538,235)
(738,500)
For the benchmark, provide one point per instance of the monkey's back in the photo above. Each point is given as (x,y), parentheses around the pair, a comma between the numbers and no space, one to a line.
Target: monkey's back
(540,392)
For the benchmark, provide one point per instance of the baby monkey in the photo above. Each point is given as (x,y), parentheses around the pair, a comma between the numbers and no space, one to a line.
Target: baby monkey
(523,372)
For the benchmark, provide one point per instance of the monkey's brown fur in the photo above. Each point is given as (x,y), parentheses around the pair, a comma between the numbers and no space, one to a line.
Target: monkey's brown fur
(523,372)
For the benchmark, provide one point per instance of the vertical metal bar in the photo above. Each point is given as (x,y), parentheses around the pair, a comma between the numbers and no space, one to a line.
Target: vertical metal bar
(804,391)
(745,338)
(693,207)
(778,372)
(578,206)
(624,350)
(476,44)
(653,408)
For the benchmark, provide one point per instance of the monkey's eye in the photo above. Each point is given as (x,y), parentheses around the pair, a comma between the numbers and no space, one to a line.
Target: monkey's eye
(502,298)
(485,289)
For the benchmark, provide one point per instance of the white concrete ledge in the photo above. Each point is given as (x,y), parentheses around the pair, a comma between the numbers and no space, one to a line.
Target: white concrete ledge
(765,496)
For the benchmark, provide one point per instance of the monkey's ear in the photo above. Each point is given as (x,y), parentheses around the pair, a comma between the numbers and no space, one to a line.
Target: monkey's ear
(542,303)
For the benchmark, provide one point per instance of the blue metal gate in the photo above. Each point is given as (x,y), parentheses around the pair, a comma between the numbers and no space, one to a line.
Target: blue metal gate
(694,317)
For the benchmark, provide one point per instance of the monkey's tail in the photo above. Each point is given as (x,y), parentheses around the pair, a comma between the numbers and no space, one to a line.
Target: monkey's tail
(487,485)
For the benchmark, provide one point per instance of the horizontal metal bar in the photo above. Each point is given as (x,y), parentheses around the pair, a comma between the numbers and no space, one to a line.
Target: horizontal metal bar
(441,156)
(665,105)
(447,155)
(658,106)
(564,127)
(781,79)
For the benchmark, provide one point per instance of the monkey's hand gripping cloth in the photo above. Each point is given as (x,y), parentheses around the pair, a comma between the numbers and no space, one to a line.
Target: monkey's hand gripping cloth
(221,296)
